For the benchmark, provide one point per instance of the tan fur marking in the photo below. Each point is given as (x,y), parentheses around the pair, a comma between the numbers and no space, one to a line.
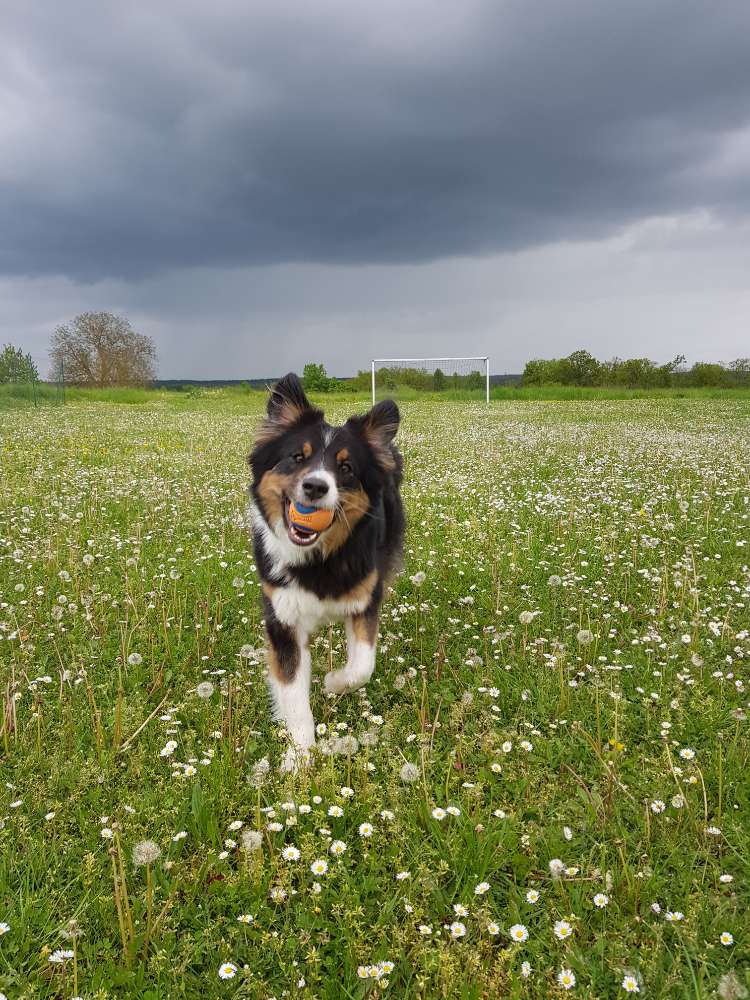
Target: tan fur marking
(361,591)
(365,628)
(379,438)
(284,417)
(271,490)
(353,506)
(275,667)
(341,456)
(307,449)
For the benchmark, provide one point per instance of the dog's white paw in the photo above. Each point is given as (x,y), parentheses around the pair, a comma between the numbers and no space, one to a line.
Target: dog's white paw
(295,758)
(340,681)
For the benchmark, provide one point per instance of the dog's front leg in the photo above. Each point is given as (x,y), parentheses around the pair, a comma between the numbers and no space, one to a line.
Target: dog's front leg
(289,685)
(362,636)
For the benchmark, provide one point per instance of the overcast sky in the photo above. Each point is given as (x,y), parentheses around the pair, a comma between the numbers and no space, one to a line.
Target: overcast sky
(256,185)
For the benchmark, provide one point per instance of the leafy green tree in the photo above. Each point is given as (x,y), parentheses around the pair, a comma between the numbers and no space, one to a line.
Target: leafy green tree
(438,380)
(15,366)
(315,379)
(581,368)
(704,373)
(474,380)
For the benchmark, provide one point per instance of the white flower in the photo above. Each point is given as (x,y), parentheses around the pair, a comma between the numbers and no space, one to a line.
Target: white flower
(319,867)
(227,971)
(726,938)
(168,749)
(567,833)
(135,659)
(290,853)
(566,978)
(525,969)
(493,928)
(556,867)
(453,810)
(365,830)
(457,929)
(424,930)
(507,746)
(438,813)
(657,806)
(562,929)
(4,928)
(674,917)
(726,879)
(335,811)
(337,848)
(532,896)
(519,932)
(106,833)
(245,918)
(630,984)
(235,825)
(345,792)
(687,753)
(600,900)
(481,889)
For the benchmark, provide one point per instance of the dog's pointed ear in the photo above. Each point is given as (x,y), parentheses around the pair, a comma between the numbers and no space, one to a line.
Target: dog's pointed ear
(287,404)
(379,427)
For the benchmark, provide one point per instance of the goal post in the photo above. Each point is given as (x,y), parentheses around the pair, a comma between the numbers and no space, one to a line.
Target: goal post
(412,377)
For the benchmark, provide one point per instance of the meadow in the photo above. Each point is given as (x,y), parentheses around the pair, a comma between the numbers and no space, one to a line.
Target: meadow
(543,791)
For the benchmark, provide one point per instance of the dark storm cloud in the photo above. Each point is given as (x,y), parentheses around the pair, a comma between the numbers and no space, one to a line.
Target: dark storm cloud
(139,138)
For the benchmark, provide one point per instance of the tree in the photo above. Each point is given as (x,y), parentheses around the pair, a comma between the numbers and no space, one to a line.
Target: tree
(740,371)
(438,380)
(15,366)
(581,368)
(315,379)
(100,349)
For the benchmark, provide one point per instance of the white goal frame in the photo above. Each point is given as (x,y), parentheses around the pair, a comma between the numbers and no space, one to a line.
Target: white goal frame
(413,362)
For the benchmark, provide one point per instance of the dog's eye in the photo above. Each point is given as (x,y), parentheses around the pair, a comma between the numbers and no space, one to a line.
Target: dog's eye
(298,457)
(345,468)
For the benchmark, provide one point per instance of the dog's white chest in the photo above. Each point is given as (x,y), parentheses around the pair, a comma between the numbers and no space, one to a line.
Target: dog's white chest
(301,609)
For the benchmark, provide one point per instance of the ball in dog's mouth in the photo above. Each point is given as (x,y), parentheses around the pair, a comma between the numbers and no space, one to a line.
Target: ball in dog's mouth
(305,524)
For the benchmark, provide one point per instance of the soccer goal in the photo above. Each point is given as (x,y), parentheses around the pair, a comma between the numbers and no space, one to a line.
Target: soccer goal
(409,378)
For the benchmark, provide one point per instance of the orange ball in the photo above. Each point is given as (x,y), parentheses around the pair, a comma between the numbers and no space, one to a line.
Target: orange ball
(310,518)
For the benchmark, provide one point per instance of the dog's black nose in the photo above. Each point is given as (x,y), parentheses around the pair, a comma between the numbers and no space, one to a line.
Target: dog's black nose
(314,487)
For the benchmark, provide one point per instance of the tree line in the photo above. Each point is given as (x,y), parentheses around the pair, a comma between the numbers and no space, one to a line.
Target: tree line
(581,369)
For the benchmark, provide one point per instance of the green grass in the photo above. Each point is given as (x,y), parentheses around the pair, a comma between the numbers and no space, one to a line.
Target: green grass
(587,590)
(243,399)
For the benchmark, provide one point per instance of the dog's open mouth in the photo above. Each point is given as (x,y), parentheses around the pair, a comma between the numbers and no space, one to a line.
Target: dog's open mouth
(296,532)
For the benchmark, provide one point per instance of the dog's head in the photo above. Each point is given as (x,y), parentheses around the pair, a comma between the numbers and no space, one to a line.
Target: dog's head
(299,457)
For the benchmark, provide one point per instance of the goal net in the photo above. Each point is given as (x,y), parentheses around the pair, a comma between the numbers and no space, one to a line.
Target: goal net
(412,378)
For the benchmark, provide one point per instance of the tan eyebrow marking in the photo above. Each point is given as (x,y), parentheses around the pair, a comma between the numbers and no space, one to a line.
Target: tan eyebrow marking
(307,449)
(341,456)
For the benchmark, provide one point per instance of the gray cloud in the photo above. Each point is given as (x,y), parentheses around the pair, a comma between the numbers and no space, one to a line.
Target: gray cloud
(147,137)
(258,184)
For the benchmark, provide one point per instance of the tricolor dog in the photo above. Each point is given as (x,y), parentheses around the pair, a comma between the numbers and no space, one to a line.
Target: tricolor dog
(340,572)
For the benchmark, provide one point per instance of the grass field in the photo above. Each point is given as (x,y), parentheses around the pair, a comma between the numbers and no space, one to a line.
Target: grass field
(546,781)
